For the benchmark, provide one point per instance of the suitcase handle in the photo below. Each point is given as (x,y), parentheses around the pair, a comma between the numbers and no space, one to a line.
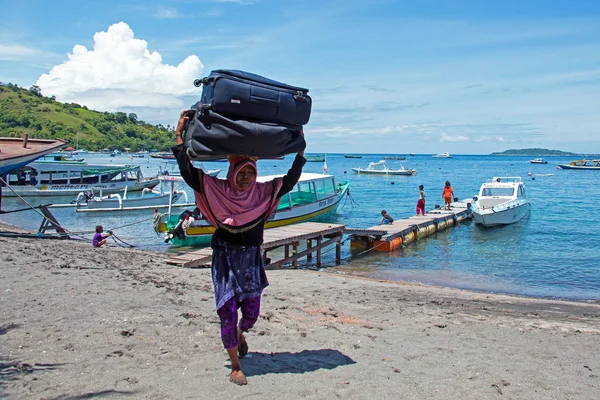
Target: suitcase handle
(300,96)
(203,81)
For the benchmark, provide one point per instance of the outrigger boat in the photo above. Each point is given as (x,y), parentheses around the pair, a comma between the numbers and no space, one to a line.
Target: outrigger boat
(380,168)
(94,201)
(313,197)
(501,201)
(581,164)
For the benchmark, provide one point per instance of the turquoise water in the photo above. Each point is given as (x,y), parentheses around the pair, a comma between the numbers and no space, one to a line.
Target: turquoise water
(554,252)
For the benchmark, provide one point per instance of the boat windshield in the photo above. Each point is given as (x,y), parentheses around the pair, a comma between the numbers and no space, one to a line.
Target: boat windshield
(504,192)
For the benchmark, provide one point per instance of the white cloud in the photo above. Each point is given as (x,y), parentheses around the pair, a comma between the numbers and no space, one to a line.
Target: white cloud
(120,73)
(167,13)
(457,138)
(15,51)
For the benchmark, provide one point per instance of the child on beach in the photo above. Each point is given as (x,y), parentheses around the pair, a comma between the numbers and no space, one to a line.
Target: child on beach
(238,207)
(448,194)
(387,218)
(421,202)
(100,238)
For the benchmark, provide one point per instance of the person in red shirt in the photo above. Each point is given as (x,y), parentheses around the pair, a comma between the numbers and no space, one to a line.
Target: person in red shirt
(448,194)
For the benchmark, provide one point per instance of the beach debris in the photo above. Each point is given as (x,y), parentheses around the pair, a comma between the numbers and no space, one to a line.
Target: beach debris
(127,333)
(499,385)
(441,326)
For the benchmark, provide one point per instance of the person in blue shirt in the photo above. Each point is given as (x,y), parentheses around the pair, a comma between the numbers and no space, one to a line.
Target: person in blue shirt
(387,218)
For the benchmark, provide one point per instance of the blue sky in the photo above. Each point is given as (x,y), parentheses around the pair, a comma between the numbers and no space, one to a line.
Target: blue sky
(468,77)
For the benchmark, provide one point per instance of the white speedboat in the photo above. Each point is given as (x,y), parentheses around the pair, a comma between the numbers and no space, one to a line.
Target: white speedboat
(501,201)
(538,161)
(443,155)
(380,168)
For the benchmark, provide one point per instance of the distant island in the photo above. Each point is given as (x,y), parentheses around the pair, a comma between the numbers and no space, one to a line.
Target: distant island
(534,152)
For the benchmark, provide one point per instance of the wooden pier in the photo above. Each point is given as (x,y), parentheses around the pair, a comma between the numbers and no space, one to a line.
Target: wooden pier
(317,236)
(404,231)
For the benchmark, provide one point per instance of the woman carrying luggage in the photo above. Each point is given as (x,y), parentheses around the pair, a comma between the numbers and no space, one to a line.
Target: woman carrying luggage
(238,207)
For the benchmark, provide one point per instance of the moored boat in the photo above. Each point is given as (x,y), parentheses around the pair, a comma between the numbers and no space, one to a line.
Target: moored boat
(68,179)
(442,155)
(17,152)
(313,197)
(501,201)
(581,164)
(394,158)
(352,156)
(315,158)
(380,168)
(538,161)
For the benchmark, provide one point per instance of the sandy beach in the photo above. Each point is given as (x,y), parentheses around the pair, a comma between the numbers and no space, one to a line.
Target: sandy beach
(82,323)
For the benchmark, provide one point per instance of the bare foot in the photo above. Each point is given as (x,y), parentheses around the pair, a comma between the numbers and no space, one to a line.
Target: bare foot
(238,377)
(242,345)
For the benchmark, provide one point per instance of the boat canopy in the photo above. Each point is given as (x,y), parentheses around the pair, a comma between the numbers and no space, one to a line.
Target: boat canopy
(105,171)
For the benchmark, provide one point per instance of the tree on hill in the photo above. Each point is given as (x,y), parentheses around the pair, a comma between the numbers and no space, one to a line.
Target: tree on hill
(28,111)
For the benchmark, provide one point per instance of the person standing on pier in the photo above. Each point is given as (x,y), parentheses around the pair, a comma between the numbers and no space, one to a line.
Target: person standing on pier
(238,207)
(421,201)
(448,195)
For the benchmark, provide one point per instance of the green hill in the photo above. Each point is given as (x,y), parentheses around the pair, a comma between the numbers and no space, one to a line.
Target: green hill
(28,111)
(533,152)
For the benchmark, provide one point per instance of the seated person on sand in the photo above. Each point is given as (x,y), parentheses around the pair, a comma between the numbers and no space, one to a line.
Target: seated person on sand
(100,238)
(387,218)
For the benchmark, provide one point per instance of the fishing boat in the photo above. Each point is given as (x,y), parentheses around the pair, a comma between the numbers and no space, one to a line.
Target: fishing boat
(313,197)
(442,155)
(62,158)
(581,164)
(501,201)
(94,200)
(394,158)
(538,161)
(17,152)
(352,156)
(165,156)
(171,168)
(380,168)
(317,158)
(68,179)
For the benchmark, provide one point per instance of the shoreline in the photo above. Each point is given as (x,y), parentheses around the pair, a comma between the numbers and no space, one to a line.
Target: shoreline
(4,227)
(79,321)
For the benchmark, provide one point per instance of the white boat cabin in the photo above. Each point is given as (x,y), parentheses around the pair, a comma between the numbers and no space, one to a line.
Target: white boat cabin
(500,190)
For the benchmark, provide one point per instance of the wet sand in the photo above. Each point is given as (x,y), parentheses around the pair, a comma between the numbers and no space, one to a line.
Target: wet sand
(81,323)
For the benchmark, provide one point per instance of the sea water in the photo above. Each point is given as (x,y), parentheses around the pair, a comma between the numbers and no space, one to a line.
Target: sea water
(552,253)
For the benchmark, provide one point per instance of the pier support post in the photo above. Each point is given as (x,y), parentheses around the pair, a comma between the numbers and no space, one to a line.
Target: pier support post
(319,239)
(294,251)
(308,247)
(338,252)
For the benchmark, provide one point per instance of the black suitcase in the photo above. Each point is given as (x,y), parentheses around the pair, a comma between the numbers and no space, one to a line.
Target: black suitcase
(245,95)
(212,136)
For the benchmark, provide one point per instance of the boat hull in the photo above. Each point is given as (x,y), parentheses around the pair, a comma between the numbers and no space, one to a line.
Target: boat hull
(383,172)
(14,155)
(200,232)
(567,166)
(506,216)
(46,190)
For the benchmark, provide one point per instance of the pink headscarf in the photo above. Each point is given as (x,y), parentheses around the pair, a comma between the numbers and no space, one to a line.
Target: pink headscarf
(222,202)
